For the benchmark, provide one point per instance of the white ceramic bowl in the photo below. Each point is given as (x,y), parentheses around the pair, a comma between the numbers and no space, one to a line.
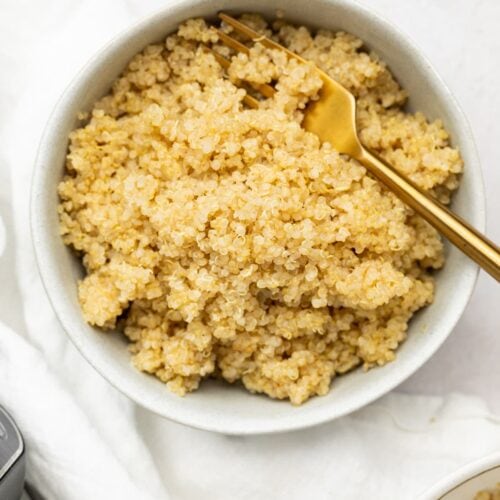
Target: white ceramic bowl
(463,484)
(216,406)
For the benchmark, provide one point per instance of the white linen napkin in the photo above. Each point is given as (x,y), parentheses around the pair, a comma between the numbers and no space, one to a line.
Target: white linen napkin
(87,441)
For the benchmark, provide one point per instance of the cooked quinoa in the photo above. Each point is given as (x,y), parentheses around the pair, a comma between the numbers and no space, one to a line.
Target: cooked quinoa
(493,494)
(229,242)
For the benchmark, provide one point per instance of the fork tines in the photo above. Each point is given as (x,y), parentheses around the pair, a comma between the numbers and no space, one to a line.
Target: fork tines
(265,89)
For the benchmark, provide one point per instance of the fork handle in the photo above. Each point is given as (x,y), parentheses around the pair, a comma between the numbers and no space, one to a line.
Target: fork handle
(470,241)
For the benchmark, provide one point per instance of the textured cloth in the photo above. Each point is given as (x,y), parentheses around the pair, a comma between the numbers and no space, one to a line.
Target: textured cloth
(84,439)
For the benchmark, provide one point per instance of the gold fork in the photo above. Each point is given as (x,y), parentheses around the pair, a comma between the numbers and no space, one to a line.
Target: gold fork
(333,118)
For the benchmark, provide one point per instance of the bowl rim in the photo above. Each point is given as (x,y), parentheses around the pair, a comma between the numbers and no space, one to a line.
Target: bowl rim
(462,476)
(38,225)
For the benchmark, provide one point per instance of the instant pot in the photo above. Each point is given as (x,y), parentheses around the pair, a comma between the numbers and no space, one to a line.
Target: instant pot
(12,461)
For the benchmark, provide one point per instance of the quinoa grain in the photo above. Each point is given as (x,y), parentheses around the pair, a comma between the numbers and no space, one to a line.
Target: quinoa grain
(231,241)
